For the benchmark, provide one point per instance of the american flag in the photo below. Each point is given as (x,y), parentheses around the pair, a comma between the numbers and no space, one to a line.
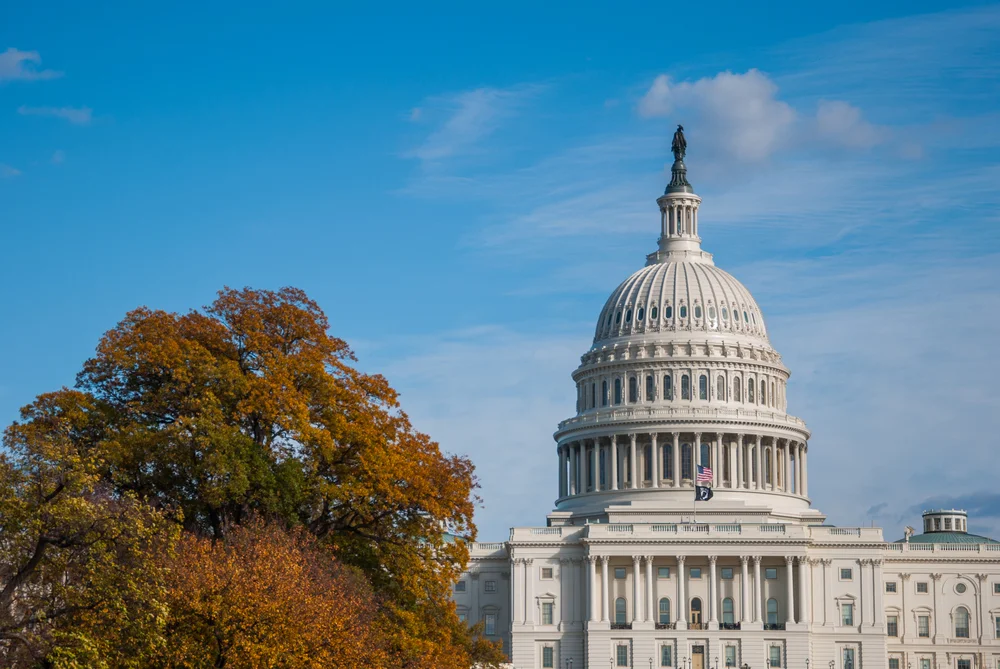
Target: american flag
(704,475)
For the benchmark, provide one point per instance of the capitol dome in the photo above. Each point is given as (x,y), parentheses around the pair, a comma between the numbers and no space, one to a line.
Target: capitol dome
(681,388)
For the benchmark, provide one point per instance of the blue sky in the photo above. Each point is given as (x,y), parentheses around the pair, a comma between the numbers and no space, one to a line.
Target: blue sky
(462,188)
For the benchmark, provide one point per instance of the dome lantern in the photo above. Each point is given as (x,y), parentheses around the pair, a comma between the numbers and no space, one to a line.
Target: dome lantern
(679,238)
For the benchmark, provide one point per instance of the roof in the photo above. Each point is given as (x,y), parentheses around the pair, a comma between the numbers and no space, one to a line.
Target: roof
(948,538)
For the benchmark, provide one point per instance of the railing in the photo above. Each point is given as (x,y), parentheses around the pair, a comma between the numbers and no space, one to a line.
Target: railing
(666,626)
(906,547)
(664,528)
(695,528)
(547,530)
(697,626)
(621,626)
(774,627)
(494,546)
(772,527)
(618,414)
(620,527)
(729,626)
(728,528)
(846,531)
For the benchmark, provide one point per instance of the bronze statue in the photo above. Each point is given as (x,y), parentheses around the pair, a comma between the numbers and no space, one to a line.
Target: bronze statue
(679,145)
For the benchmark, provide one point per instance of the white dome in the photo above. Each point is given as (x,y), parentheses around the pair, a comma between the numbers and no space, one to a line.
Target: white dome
(681,297)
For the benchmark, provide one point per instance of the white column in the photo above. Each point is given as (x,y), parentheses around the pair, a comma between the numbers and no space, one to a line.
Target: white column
(517,590)
(758,594)
(798,469)
(713,592)
(529,591)
(739,463)
(829,611)
(774,464)
(681,598)
(790,590)
(573,478)
(905,613)
(636,590)
(604,589)
(566,590)
(732,462)
(717,461)
(595,466)
(614,462)
(654,453)
(592,588)
(562,469)
(788,468)
(879,589)
(744,589)
(805,583)
(696,454)
(650,608)
(866,596)
(632,462)
(805,470)
(677,460)
(759,454)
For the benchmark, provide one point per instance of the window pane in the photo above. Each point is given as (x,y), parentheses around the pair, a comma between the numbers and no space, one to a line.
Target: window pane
(923,626)
(668,391)
(847,614)
(547,613)
(685,387)
(727,572)
(695,572)
(770,573)
(622,656)
(491,624)
(893,663)
(962,623)
(548,659)
(892,623)
(890,586)
(665,611)
(730,656)
(619,572)
(663,572)
(620,610)
(491,586)
(922,587)
(775,656)
(845,574)
(665,656)
(460,586)
(703,387)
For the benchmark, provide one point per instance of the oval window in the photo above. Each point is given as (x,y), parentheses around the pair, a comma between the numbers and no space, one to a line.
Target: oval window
(746,319)
(960,588)
(618,318)
(697,311)
(653,313)
(609,320)
(669,313)
(641,314)
(725,314)
(711,311)
(753,317)
(628,316)
(684,311)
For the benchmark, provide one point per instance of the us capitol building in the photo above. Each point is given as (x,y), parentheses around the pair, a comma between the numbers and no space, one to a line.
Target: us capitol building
(630,571)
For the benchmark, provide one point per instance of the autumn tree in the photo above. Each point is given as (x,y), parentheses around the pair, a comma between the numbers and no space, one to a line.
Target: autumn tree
(251,407)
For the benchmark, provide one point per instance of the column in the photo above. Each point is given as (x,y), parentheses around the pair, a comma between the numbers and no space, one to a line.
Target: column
(790,591)
(566,590)
(516,586)
(744,589)
(529,592)
(651,609)
(935,619)
(732,462)
(758,591)
(713,593)
(572,470)
(805,470)
(774,464)
(654,453)
(879,589)
(788,467)
(904,613)
(805,584)
(798,469)
(604,589)
(829,610)
(681,598)
(592,603)
(759,456)
(739,463)
(717,461)
(595,467)
(561,451)
(696,454)
(614,462)
(866,595)
(636,590)
(633,470)
(677,460)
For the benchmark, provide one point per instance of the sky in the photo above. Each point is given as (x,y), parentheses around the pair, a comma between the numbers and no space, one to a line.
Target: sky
(461,188)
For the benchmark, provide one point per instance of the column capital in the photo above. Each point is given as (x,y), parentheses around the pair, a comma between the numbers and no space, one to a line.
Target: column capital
(982,577)
(636,559)
(904,577)
(632,436)
(788,560)
(744,559)
(592,559)
(826,561)
(680,559)
(936,577)
(649,558)
(757,559)
(876,562)
(712,559)
(802,559)
(605,559)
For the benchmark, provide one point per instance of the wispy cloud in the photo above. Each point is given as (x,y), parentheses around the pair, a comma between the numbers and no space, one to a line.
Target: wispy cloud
(75,115)
(6,171)
(16,65)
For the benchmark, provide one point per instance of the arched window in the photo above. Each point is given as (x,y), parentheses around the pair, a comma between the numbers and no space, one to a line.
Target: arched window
(750,391)
(685,387)
(647,466)
(772,611)
(697,311)
(767,465)
(618,391)
(640,314)
(727,611)
(608,324)
(705,457)
(746,319)
(738,389)
(686,461)
(618,318)
(711,312)
(650,388)
(703,387)
(628,316)
(725,314)
(720,390)
(668,462)
(763,392)
(620,610)
(774,398)
(664,611)
(668,390)
(961,623)
(593,395)
(684,311)
(602,465)
(696,611)
(604,393)
(654,313)
(633,389)
(669,313)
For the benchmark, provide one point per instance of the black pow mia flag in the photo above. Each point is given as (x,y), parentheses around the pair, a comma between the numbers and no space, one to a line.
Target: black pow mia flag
(702,493)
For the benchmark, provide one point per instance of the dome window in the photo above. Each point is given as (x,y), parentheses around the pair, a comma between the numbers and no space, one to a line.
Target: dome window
(640,314)
(683,311)
(753,317)
(711,312)
(746,318)
(697,311)
(609,320)
(618,318)
(669,313)
(725,314)
(668,390)
(628,316)
(685,386)
(654,314)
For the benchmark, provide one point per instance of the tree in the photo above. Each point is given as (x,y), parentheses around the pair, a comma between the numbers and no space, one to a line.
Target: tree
(251,407)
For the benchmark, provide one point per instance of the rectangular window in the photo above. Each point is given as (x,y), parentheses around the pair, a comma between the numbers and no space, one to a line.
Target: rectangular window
(849,659)
(460,586)
(695,572)
(964,664)
(546,572)
(491,624)
(462,616)
(893,663)
(892,626)
(846,574)
(996,588)
(923,626)
(548,657)
(847,615)
(547,613)
(771,573)
(663,572)
(727,573)
(925,663)
(620,572)
(922,587)
(491,586)
(666,656)
(890,586)
(996,627)
(774,656)
(621,655)
(730,656)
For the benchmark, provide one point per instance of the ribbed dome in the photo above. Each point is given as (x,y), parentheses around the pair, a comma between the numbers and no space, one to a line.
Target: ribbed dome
(681,297)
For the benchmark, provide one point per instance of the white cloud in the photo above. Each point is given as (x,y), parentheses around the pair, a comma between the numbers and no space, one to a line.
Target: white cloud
(737,113)
(75,115)
(18,65)
(6,171)
(471,116)
(842,123)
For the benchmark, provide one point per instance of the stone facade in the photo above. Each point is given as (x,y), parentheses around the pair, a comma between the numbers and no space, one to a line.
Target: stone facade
(629,571)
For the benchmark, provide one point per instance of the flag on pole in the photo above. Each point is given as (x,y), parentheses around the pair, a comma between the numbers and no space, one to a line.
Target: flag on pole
(704,475)
(702,493)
